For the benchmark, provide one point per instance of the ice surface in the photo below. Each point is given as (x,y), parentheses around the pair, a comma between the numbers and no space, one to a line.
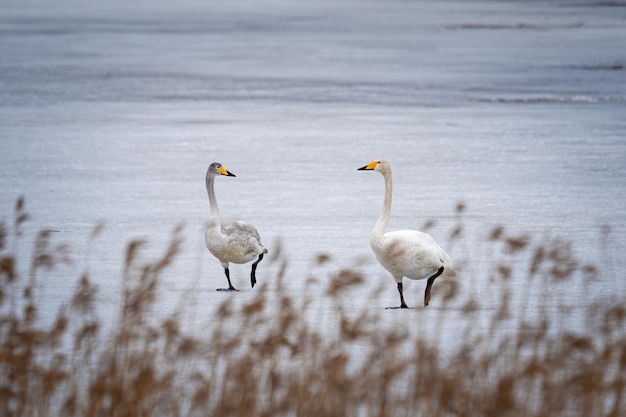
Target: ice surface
(114,111)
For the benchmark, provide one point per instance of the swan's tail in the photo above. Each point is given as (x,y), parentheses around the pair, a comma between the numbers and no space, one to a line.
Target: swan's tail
(447,262)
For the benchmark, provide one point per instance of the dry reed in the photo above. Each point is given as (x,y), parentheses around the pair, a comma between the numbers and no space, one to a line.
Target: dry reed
(262,357)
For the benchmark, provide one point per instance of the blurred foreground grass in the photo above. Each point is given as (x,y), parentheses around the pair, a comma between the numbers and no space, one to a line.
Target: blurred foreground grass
(263,358)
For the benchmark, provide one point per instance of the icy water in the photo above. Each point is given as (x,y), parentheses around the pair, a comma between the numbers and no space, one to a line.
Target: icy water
(113,111)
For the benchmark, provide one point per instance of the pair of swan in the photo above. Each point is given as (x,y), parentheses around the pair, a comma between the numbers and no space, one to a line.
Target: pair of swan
(404,253)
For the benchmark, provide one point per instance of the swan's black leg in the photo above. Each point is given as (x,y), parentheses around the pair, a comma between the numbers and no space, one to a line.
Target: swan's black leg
(402,303)
(253,273)
(230,286)
(429,285)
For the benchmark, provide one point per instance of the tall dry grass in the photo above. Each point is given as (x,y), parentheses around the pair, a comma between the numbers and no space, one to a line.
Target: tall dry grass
(262,357)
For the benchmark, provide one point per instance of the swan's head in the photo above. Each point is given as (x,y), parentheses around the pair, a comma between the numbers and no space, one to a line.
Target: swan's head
(380,166)
(218,169)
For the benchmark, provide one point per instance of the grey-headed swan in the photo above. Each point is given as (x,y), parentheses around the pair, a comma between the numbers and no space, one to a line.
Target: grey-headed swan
(237,242)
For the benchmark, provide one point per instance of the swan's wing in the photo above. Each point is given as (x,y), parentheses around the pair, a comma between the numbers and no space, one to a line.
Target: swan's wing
(241,243)
(412,254)
(239,228)
(429,244)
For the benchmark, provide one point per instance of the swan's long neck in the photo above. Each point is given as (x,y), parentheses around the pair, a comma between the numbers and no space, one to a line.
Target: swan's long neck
(215,211)
(381,224)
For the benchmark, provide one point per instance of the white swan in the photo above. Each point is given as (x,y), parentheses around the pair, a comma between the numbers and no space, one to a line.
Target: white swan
(405,253)
(236,242)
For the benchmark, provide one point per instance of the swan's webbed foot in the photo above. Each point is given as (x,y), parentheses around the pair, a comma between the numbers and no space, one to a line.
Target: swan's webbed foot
(227,289)
(399,307)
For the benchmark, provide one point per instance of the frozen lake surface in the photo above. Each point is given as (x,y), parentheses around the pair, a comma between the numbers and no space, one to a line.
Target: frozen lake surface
(113,111)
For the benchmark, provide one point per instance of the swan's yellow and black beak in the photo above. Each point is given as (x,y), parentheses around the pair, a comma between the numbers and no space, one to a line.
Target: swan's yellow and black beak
(226,172)
(372,165)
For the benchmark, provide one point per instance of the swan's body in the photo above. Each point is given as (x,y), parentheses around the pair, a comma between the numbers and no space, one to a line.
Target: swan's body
(237,242)
(405,253)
